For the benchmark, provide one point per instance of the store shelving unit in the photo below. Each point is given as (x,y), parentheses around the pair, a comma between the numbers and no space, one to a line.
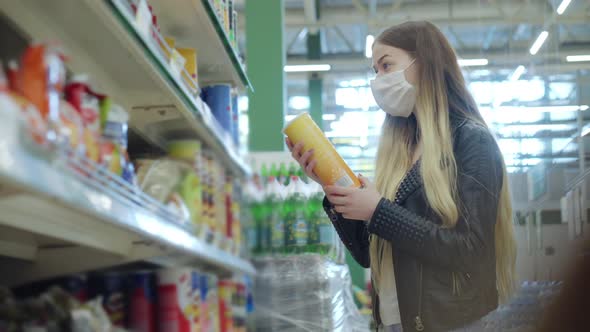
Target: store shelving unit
(102,39)
(55,220)
(194,22)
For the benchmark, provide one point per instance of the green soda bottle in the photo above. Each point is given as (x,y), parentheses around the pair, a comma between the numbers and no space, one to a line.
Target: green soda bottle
(264,174)
(289,213)
(313,239)
(274,171)
(249,222)
(283,174)
(302,176)
(292,169)
(285,215)
(297,228)
(277,231)
(258,214)
(325,229)
(269,214)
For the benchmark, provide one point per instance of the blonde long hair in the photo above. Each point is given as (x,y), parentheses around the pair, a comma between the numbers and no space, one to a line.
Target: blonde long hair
(441,89)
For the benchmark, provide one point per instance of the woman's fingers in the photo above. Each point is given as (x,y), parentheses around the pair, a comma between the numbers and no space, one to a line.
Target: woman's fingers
(309,168)
(339,191)
(338,200)
(304,159)
(341,209)
(289,144)
(296,151)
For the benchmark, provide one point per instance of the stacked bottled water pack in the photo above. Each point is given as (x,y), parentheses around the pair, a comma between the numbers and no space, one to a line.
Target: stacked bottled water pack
(305,293)
(523,312)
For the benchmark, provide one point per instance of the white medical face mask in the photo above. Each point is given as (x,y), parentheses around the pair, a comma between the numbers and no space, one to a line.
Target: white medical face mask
(394,94)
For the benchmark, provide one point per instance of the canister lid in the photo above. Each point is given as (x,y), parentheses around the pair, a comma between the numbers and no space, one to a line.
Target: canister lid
(293,120)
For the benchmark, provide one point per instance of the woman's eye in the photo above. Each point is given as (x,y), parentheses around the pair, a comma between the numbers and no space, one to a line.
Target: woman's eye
(385,66)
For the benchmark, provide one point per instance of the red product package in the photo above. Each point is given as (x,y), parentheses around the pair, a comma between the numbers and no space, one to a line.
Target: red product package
(87,104)
(85,101)
(226,291)
(42,78)
(12,75)
(142,302)
(178,300)
(40,81)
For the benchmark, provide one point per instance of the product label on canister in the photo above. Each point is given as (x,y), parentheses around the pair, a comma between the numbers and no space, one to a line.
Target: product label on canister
(344,181)
(300,232)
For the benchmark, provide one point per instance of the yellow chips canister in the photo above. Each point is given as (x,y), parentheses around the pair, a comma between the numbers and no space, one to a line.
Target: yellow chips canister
(330,167)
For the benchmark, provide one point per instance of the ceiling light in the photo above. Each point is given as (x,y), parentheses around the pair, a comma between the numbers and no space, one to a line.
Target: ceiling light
(517,73)
(304,68)
(539,42)
(563,6)
(543,109)
(369,46)
(472,62)
(578,58)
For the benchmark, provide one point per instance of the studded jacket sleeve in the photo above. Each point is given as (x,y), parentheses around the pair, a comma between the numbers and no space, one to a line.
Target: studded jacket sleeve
(353,234)
(479,182)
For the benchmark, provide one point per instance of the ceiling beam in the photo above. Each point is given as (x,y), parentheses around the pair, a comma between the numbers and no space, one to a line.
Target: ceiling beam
(489,38)
(395,6)
(311,15)
(464,13)
(372,8)
(297,38)
(358,4)
(549,61)
(348,43)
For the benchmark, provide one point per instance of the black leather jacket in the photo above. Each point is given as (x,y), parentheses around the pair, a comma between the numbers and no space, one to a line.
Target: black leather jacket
(445,277)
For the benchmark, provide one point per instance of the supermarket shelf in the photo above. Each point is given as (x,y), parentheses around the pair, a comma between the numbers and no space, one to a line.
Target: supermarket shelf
(101,39)
(194,23)
(64,221)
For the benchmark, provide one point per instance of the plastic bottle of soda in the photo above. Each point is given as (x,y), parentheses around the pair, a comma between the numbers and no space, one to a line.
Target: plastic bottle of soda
(283,174)
(302,176)
(310,217)
(292,170)
(270,213)
(258,214)
(249,222)
(277,224)
(325,229)
(296,226)
(264,174)
(274,171)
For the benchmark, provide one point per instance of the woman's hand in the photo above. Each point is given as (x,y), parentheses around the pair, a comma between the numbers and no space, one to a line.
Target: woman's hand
(303,158)
(355,203)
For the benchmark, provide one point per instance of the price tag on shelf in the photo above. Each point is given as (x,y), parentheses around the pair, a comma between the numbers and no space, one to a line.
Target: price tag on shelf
(143,19)
(176,63)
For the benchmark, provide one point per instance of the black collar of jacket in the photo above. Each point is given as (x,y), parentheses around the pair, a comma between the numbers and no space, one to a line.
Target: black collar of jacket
(412,180)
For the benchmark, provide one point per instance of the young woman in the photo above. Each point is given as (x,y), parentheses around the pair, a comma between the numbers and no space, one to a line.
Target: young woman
(436,227)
